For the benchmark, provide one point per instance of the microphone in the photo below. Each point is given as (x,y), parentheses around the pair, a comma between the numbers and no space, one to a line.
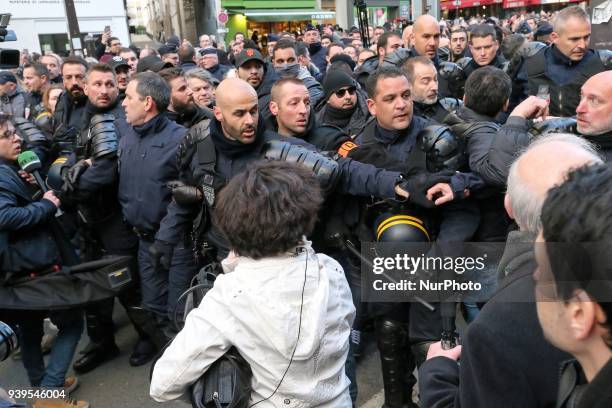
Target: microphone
(30,163)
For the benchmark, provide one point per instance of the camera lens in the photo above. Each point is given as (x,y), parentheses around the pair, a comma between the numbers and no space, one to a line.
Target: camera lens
(8,341)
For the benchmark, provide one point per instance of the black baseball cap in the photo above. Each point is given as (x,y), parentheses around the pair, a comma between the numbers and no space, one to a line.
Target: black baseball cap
(248,54)
(7,76)
(152,63)
(117,62)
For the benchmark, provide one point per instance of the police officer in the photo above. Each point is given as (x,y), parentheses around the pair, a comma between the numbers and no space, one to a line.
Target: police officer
(147,161)
(90,183)
(484,49)
(423,78)
(237,137)
(425,38)
(405,331)
(560,69)
(70,106)
(182,108)
(251,67)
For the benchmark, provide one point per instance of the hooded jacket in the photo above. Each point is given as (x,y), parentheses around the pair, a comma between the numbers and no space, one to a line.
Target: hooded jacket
(256,307)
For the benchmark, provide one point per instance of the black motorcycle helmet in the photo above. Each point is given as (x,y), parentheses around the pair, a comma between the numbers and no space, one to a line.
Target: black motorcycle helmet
(391,227)
(444,150)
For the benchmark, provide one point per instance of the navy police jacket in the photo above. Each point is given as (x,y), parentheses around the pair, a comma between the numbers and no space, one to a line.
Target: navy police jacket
(147,161)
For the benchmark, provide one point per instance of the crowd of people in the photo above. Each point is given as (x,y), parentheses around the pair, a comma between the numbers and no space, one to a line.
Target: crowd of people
(271,159)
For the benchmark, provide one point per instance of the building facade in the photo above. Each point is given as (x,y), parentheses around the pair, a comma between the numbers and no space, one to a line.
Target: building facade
(41,25)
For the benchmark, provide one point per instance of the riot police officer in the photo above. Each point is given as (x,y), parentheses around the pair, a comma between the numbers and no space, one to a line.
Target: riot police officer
(559,70)
(90,183)
(70,106)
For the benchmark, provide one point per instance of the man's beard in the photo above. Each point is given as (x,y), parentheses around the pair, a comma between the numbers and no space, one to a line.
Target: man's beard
(184,109)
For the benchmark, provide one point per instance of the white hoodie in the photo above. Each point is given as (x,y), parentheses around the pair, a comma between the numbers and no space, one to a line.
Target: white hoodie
(256,308)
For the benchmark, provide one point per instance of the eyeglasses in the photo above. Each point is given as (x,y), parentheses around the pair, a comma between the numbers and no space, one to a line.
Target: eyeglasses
(8,134)
(341,92)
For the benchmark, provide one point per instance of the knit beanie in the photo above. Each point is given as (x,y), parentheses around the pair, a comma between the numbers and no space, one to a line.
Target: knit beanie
(335,80)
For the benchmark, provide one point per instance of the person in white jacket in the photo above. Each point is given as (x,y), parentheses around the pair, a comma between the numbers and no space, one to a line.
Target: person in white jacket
(287,310)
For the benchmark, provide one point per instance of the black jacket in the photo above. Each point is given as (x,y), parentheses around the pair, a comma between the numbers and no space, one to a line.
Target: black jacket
(187,120)
(575,392)
(355,178)
(26,241)
(505,360)
(604,142)
(219,71)
(491,148)
(67,120)
(263,91)
(354,124)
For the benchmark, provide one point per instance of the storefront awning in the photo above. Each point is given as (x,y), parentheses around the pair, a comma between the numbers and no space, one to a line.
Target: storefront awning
(287,14)
(459,4)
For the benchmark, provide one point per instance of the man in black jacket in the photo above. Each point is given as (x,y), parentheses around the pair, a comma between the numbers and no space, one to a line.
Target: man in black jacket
(251,67)
(484,50)
(70,106)
(501,344)
(28,246)
(344,105)
(487,93)
(91,185)
(594,121)
(182,109)
(573,283)
(423,77)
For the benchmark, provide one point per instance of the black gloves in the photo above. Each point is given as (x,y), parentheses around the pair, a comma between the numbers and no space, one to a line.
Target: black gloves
(71,175)
(418,184)
(161,255)
(184,194)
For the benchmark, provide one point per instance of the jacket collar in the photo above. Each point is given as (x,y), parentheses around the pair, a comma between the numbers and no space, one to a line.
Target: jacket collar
(469,115)
(152,126)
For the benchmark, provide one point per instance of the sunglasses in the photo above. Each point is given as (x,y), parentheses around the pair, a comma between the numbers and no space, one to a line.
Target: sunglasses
(341,92)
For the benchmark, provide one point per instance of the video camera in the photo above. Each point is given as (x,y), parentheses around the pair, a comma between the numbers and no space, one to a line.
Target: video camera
(9,58)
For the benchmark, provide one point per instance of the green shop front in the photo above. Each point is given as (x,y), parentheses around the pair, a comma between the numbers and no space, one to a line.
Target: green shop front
(272,16)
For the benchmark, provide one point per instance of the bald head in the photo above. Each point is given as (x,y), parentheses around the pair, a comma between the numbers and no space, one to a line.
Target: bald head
(425,22)
(426,36)
(237,110)
(593,113)
(543,165)
(233,90)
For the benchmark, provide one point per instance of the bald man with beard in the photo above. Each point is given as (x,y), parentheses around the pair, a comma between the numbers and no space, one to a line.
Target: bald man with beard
(212,154)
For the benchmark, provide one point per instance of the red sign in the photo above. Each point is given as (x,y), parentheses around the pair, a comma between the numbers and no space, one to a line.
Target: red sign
(222,17)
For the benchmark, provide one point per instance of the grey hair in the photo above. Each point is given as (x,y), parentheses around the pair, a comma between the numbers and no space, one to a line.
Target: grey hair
(527,206)
(565,14)
(201,74)
(151,84)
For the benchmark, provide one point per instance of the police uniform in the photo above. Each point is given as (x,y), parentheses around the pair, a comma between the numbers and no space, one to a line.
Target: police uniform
(563,77)
(147,161)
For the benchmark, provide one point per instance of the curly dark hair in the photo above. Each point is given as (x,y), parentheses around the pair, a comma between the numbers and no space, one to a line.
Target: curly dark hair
(267,209)
(577,227)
